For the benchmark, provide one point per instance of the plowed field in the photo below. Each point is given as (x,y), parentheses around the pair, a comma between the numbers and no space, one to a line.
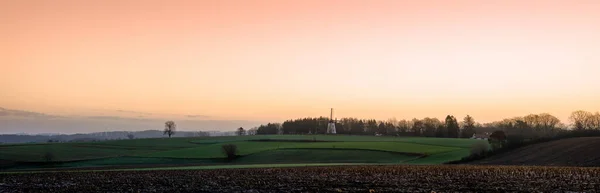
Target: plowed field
(315,179)
(583,151)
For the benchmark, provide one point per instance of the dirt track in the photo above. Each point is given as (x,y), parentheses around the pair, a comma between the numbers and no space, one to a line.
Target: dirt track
(584,151)
(316,179)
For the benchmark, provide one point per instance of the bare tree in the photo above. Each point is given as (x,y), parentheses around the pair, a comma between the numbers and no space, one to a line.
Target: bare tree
(404,126)
(580,119)
(548,120)
(430,126)
(169,128)
(252,131)
(418,127)
(596,120)
(130,136)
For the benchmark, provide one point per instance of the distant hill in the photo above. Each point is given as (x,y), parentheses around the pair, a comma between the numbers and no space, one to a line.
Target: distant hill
(583,151)
(111,135)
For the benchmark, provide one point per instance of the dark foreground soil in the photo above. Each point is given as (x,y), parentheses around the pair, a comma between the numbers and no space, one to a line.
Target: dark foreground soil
(583,151)
(316,179)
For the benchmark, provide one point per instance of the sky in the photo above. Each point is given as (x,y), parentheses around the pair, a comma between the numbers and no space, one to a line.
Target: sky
(272,60)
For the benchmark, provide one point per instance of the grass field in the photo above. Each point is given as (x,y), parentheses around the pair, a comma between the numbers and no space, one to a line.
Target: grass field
(251,147)
(270,149)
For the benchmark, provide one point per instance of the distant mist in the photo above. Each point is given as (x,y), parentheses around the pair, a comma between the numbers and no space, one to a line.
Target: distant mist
(25,122)
(100,136)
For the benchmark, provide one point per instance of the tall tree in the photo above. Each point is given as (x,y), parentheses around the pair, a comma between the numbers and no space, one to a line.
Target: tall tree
(418,127)
(403,127)
(441,131)
(580,119)
(431,125)
(468,127)
(595,122)
(358,127)
(252,131)
(372,126)
(381,129)
(269,129)
(169,128)
(390,128)
(241,131)
(452,126)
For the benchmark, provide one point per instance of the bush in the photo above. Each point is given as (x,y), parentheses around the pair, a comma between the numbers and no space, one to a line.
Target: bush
(230,151)
(479,148)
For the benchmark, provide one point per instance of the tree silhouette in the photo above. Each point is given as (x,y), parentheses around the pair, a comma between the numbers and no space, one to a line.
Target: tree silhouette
(230,151)
(595,121)
(169,128)
(241,131)
(269,129)
(431,126)
(381,129)
(418,127)
(497,139)
(581,119)
(390,128)
(528,127)
(441,131)
(403,127)
(452,126)
(372,126)
(468,127)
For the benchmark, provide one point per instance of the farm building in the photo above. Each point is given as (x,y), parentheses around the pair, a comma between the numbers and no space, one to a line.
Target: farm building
(484,136)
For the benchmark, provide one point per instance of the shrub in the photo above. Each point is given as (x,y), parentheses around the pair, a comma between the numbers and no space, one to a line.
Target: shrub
(230,151)
(479,148)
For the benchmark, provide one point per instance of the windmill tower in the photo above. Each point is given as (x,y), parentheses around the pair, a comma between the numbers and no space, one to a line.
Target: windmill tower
(331,124)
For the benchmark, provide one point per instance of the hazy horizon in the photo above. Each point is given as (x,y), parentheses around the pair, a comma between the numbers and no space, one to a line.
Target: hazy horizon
(22,121)
(260,61)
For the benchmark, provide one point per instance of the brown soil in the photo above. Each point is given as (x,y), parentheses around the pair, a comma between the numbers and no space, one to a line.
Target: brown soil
(316,179)
(583,151)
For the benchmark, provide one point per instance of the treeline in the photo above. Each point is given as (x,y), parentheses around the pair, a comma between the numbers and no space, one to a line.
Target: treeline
(427,127)
(526,127)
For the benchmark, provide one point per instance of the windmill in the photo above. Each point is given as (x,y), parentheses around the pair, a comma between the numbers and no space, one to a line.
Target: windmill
(331,124)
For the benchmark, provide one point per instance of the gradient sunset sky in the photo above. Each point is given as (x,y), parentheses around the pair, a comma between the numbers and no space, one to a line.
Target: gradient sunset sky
(281,59)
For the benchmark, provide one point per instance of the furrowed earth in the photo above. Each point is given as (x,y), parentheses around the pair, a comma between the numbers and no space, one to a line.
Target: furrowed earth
(582,151)
(315,179)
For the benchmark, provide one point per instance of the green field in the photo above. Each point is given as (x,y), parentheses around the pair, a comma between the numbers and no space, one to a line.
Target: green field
(252,150)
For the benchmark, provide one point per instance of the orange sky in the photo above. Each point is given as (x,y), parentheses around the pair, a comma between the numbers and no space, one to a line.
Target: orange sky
(274,60)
